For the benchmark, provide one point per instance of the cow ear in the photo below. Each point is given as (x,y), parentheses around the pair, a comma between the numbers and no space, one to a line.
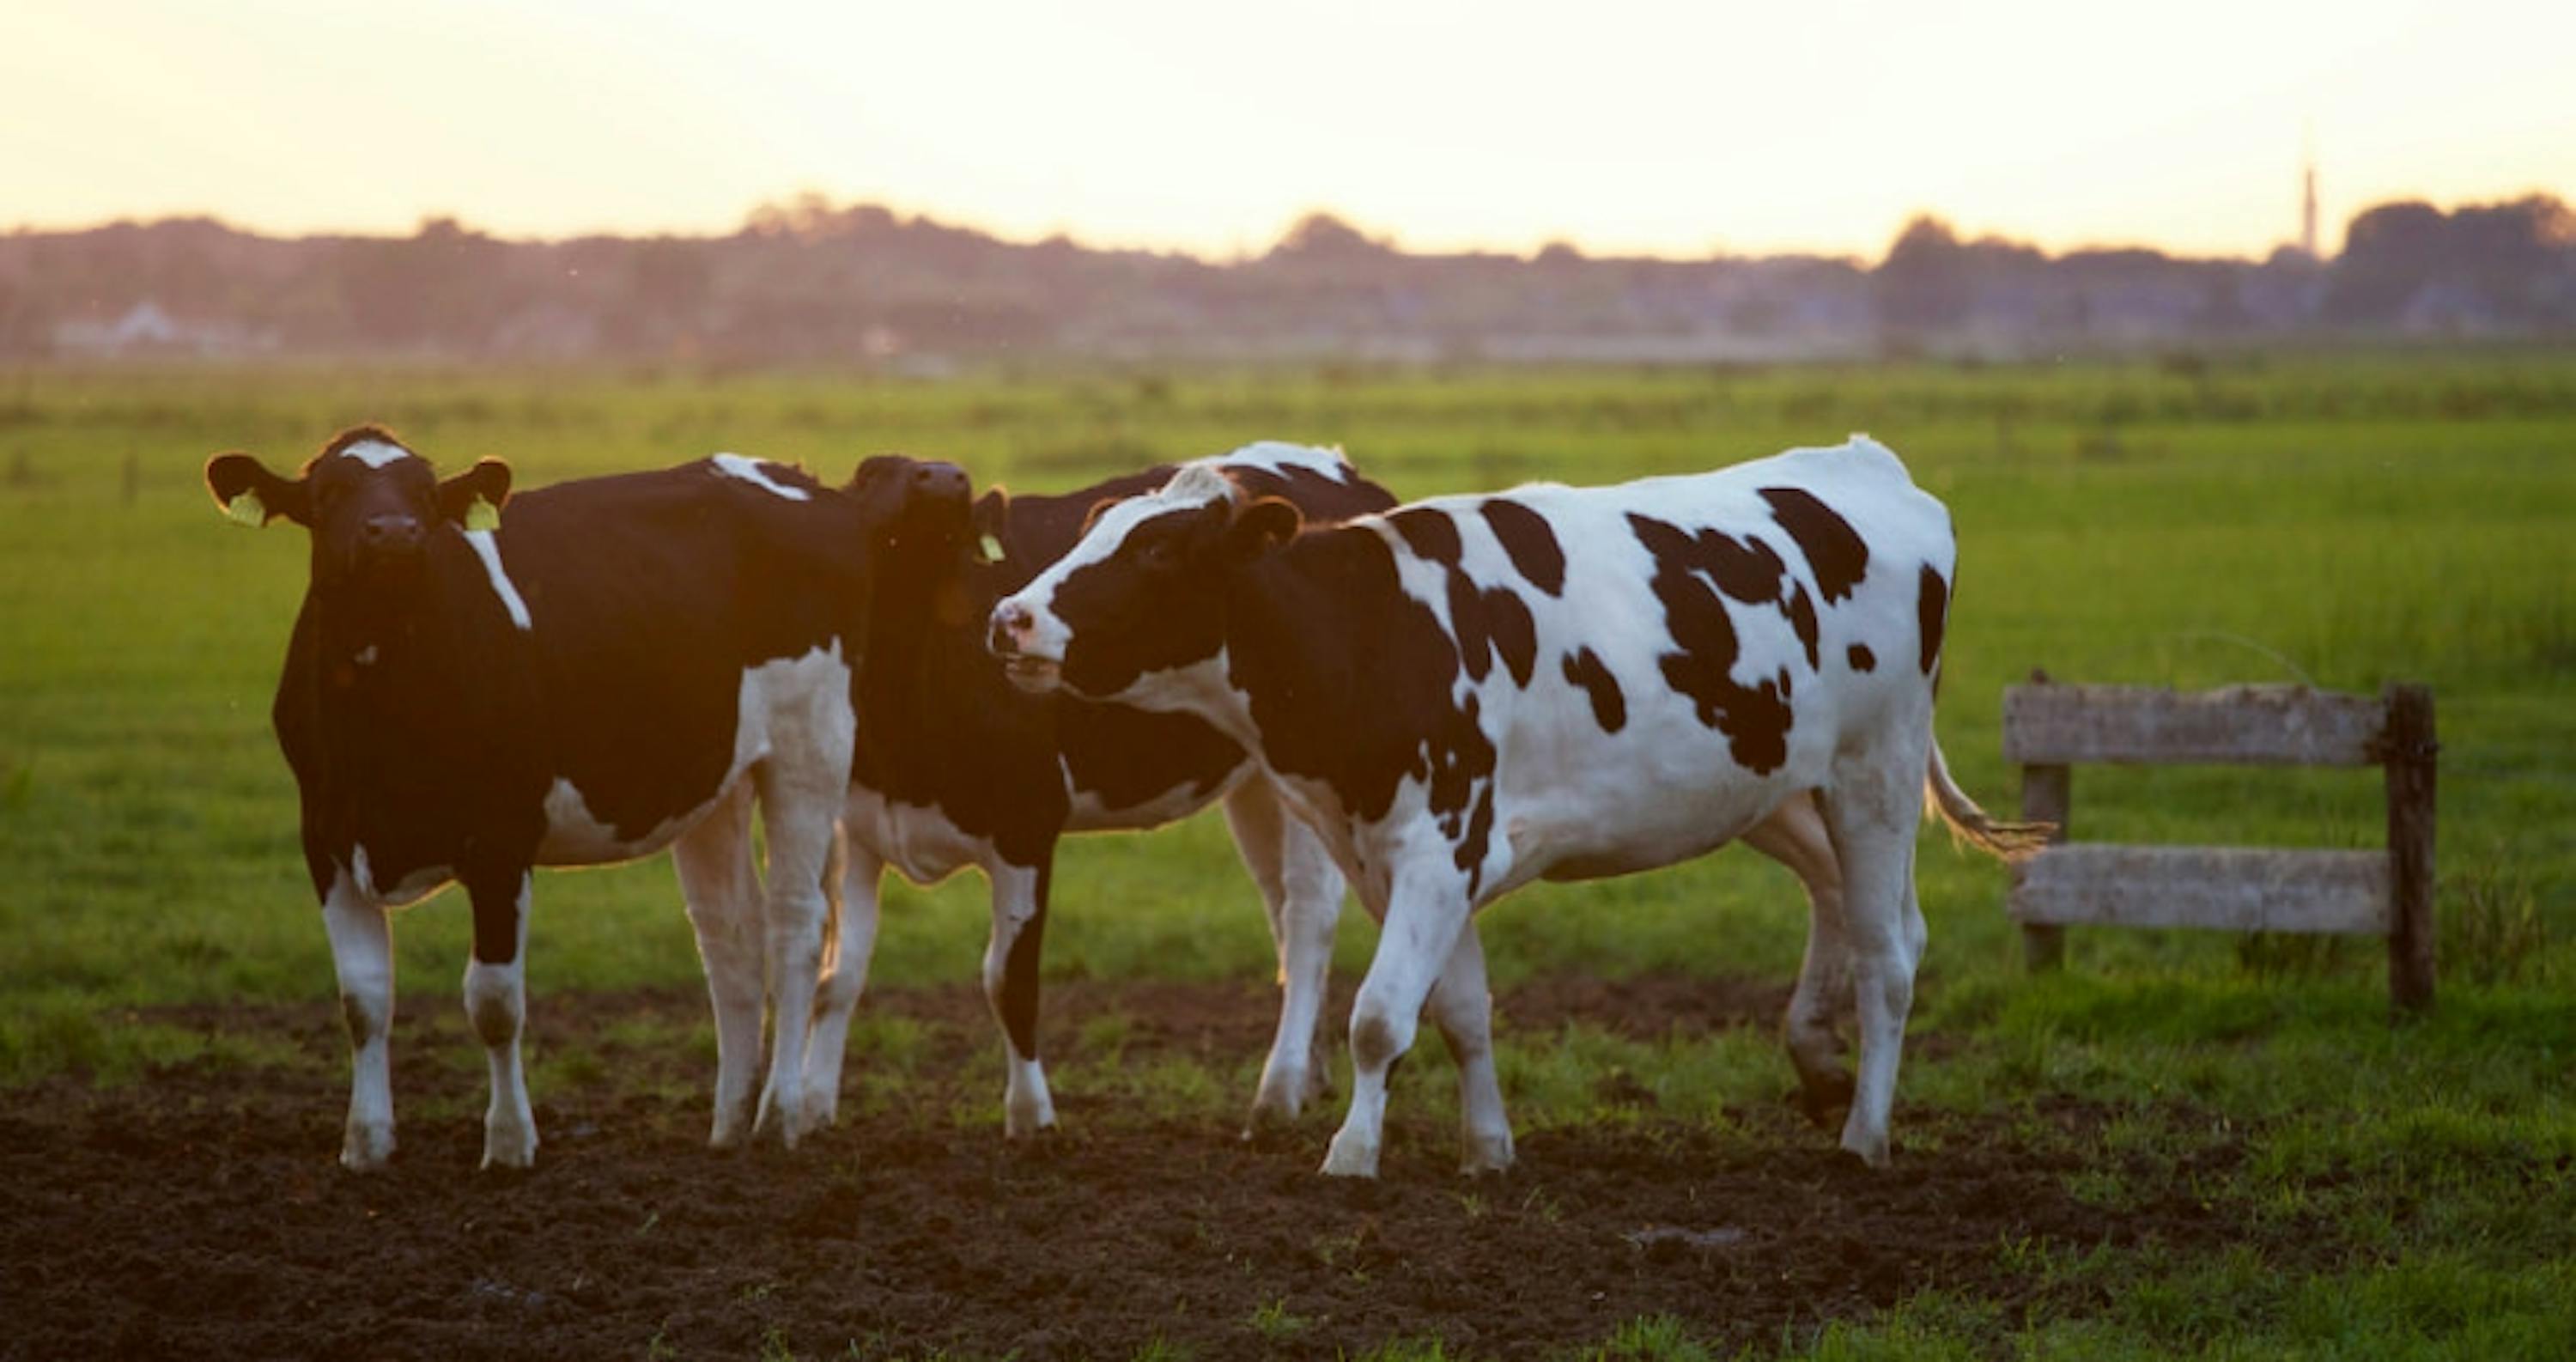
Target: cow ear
(253,496)
(992,514)
(1260,527)
(474,497)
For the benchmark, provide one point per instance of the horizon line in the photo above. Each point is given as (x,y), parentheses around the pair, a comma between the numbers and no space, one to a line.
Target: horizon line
(1390,239)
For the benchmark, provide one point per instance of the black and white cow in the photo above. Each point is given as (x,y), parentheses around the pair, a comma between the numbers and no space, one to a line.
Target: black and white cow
(957,767)
(585,683)
(1558,683)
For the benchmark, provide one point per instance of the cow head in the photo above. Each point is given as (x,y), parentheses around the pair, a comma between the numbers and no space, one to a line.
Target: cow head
(1143,592)
(369,503)
(922,529)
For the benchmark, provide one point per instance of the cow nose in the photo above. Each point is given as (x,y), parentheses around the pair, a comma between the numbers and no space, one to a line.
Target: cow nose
(1009,623)
(940,479)
(392,530)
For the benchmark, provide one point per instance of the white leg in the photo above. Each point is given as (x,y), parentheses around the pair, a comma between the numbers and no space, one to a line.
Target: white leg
(1011,986)
(1795,836)
(1463,1007)
(1301,891)
(1426,911)
(362,955)
(496,1001)
(721,887)
(1873,812)
(845,977)
(800,828)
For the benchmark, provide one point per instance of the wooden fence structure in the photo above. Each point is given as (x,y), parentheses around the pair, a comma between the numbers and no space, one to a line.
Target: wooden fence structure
(2050,728)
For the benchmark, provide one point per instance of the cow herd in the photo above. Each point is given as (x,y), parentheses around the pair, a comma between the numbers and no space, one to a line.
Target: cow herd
(1430,704)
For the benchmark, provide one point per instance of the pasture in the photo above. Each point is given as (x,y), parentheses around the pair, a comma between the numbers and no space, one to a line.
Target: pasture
(2185,1145)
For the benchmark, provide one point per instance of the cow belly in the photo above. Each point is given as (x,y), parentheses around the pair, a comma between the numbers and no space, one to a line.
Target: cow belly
(1612,821)
(918,841)
(575,836)
(797,706)
(1087,812)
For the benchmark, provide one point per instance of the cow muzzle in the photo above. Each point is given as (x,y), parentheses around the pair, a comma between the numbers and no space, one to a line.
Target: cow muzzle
(1014,639)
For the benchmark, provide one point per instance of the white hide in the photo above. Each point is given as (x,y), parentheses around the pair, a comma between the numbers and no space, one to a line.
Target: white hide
(754,472)
(1571,801)
(489,550)
(376,453)
(769,714)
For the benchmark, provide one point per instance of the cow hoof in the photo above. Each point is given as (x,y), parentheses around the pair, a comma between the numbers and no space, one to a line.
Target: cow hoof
(1350,1158)
(1825,1097)
(822,1107)
(1486,1154)
(1275,1105)
(1873,1153)
(1023,1116)
(509,1148)
(365,1150)
(779,1121)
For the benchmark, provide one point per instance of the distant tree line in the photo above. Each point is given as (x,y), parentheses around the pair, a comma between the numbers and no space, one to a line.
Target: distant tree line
(808,281)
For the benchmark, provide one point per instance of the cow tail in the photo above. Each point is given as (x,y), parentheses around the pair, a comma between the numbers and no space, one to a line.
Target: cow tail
(836,864)
(2013,842)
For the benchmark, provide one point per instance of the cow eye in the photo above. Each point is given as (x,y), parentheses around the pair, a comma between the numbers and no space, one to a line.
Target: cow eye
(1156,556)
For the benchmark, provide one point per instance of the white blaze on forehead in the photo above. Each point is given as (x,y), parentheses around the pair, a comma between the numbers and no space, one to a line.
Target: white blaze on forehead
(1197,484)
(756,473)
(489,551)
(375,453)
(1278,456)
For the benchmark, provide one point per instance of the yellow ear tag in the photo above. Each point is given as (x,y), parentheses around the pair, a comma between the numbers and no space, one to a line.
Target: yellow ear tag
(991,548)
(482,515)
(247,509)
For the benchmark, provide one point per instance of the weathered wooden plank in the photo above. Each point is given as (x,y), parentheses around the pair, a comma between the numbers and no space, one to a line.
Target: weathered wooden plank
(2410,749)
(2244,889)
(2254,725)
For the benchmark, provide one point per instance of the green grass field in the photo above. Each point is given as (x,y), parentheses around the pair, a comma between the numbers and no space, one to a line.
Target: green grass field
(2339,521)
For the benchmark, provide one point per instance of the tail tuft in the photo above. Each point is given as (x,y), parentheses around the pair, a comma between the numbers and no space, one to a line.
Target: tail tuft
(2006,841)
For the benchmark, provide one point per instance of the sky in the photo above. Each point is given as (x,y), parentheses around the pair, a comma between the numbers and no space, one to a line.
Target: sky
(1680,129)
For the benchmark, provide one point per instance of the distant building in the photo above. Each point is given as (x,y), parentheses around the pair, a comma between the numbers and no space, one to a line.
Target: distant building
(147,329)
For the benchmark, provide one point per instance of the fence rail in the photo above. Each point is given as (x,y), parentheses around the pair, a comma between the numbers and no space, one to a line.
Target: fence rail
(2049,728)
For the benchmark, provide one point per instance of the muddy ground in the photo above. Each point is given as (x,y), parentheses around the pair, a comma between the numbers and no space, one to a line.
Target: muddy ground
(197,1212)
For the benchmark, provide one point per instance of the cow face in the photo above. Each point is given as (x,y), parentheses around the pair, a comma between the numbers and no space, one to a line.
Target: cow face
(920,508)
(1143,592)
(369,504)
(920,527)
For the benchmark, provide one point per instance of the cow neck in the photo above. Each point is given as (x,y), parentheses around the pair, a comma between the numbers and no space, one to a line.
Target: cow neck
(1290,642)
(399,649)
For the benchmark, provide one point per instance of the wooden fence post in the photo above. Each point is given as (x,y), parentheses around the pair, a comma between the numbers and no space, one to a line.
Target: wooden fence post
(2047,796)
(2409,749)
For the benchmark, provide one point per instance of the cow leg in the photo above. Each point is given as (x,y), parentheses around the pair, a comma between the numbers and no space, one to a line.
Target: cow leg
(1873,811)
(1301,890)
(1463,1007)
(721,886)
(1795,836)
(496,1001)
(799,810)
(362,955)
(844,978)
(1011,986)
(1425,914)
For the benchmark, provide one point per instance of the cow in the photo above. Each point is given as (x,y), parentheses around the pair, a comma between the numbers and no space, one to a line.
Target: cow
(617,665)
(1474,692)
(955,766)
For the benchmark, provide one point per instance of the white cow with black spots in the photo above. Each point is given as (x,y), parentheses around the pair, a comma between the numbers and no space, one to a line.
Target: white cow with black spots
(1474,692)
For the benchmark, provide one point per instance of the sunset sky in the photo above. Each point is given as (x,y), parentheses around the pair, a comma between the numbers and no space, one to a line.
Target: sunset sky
(1669,128)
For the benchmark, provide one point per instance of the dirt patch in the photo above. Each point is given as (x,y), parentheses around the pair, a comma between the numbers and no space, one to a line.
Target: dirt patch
(197,1212)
